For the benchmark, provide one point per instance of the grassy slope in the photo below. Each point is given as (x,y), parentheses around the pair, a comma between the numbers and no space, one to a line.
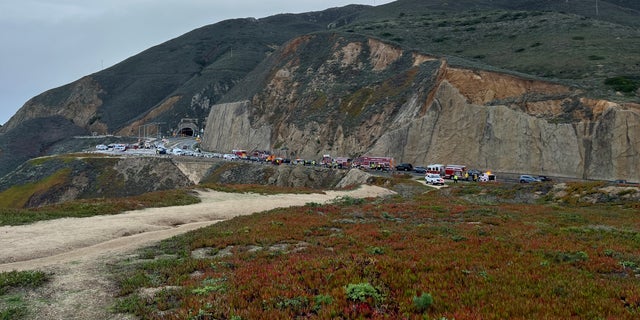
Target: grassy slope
(544,40)
(478,251)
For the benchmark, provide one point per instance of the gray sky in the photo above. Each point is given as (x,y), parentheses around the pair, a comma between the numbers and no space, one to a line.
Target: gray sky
(49,43)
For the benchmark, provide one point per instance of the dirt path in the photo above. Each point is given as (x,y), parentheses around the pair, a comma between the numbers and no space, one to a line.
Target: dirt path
(76,250)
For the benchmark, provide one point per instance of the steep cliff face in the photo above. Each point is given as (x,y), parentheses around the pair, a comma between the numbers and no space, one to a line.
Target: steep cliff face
(349,96)
(500,138)
(233,120)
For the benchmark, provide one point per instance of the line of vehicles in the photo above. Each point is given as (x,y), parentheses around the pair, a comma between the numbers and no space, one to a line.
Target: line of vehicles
(434,174)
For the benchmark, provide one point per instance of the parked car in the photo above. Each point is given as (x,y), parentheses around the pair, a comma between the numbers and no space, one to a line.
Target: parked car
(161,150)
(120,147)
(544,178)
(434,178)
(528,179)
(102,147)
(404,167)
(419,169)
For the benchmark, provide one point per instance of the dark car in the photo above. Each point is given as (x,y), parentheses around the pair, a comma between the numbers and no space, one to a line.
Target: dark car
(528,179)
(419,169)
(544,178)
(404,167)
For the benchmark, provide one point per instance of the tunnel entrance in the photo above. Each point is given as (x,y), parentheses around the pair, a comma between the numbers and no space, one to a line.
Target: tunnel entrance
(186,132)
(188,127)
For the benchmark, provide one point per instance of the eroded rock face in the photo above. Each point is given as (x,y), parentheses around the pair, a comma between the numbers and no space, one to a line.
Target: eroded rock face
(420,110)
(232,120)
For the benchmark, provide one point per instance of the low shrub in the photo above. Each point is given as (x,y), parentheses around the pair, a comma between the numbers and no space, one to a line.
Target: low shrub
(623,84)
(362,291)
(422,302)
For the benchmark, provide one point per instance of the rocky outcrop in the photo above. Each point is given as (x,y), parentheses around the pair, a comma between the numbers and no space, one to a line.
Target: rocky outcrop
(418,109)
(58,179)
(294,176)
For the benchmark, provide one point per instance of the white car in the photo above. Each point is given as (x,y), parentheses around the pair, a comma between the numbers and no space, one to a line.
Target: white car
(230,156)
(102,147)
(434,178)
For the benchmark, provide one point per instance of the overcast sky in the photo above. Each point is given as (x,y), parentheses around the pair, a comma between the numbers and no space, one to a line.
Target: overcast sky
(49,43)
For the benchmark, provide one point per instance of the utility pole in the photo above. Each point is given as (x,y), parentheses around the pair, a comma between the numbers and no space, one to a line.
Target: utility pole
(597,13)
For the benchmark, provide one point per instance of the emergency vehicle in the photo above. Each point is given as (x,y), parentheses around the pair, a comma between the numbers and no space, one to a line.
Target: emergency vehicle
(342,162)
(381,163)
(326,160)
(436,168)
(242,154)
(454,169)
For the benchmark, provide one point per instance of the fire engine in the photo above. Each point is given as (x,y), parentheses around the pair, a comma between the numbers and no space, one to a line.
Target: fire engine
(383,163)
(340,162)
(454,169)
(447,171)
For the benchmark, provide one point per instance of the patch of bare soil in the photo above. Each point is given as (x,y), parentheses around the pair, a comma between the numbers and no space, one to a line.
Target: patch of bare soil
(76,251)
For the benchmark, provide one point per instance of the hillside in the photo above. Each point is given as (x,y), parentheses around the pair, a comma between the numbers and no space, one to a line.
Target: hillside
(349,95)
(58,179)
(592,54)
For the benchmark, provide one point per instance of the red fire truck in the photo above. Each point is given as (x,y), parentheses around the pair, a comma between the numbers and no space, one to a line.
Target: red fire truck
(447,171)
(376,163)
(454,169)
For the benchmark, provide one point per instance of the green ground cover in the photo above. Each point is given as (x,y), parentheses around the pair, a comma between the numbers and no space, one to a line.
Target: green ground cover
(464,252)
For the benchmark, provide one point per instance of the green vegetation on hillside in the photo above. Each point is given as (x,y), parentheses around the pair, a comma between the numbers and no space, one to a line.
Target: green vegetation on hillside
(557,46)
(624,84)
(491,251)
(17,196)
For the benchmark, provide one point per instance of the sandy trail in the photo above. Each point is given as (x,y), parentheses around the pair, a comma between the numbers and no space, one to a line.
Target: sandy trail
(70,239)
(76,250)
